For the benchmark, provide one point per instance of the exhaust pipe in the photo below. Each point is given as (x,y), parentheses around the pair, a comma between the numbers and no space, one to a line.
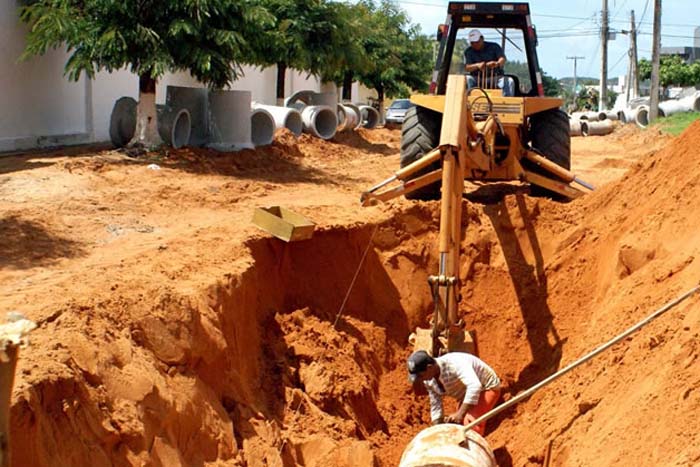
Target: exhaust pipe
(284,117)
(597,128)
(369,116)
(174,127)
(320,121)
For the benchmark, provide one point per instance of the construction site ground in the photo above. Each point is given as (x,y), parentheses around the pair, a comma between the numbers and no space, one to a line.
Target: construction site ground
(172,331)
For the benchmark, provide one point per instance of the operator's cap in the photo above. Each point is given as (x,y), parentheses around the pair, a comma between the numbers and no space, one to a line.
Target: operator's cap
(475,35)
(417,363)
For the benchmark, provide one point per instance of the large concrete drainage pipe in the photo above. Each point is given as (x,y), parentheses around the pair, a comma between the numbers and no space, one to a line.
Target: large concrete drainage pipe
(262,127)
(692,103)
(597,128)
(349,118)
(448,445)
(229,120)
(674,107)
(369,116)
(641,116)
(593,116)
(320,121)
(575,127)
(285,117)
(174,126)
(122,121)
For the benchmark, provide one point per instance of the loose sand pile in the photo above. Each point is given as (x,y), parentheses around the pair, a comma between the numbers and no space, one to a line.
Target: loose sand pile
(173,333)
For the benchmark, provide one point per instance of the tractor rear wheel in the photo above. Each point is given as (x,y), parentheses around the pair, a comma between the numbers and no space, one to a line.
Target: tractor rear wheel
(419,135)
(549,136)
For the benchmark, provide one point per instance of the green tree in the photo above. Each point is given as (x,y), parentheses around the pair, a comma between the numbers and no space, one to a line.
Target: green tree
(307,35)
(552,87)
(400,58)
(673,71)
(208,38)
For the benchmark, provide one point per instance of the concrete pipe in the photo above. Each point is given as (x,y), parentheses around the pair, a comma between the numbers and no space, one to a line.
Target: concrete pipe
(262,127)
(349,118)
(448,445)
(674,107)
(174,126)
(320,121)
(229,120)
(611,115)
(369,116)
(575,127)
(593,116)
(625,115)
(357,111)
(196,102)
(576,115)
(692,103)
(285,117)
(641,116)
(597,128)
(307,97)
(122,122)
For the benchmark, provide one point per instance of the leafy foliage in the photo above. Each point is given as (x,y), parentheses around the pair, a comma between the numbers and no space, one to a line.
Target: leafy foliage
(399,57)
(208,38)
(673,71)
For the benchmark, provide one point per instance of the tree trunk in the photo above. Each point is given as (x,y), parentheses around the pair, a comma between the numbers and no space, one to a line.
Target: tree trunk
(347,86)
(146,121)
(281,71)
(380,101)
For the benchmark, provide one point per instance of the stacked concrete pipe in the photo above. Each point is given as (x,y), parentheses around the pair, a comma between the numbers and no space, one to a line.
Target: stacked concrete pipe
(641,116)
(174,126)
(196,102)
(348,117)
(575,127)
(593,116)
(448,445)
(370,116)
(284,117)
(320,121)
(262,127)
(611,115)
(230,126)
(604,127)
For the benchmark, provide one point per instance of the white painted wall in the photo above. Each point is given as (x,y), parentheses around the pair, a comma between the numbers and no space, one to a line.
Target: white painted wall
(39,107)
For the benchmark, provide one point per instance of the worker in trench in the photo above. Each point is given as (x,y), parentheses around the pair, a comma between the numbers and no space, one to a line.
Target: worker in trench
(459,375)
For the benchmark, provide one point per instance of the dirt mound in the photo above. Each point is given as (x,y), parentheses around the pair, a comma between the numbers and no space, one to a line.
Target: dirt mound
(173,333)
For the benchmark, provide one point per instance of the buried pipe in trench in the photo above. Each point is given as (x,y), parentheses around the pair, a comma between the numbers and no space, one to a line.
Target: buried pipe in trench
(448,445)
(262,127)
(320,121)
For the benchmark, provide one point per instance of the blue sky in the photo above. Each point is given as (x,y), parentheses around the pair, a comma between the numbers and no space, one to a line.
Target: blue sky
(574,23)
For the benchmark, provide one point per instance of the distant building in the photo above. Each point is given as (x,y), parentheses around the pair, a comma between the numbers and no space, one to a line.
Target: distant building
(689,54)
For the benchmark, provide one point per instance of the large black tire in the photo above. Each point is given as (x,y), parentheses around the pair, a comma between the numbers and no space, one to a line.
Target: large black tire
(549,136)
(420,133)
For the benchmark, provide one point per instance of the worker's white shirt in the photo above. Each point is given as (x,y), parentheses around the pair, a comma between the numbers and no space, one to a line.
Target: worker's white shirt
(464,376)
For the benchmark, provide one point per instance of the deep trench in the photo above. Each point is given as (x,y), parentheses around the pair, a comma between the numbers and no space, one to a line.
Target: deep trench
(267,361)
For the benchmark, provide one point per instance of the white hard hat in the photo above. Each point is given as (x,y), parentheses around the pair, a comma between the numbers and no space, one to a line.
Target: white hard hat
(475,35)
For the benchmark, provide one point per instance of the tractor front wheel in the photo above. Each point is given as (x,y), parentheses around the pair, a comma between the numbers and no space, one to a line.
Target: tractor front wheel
(419,135)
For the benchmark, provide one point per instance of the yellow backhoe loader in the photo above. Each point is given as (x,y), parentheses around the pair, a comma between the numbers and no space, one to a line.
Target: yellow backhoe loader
(455,134)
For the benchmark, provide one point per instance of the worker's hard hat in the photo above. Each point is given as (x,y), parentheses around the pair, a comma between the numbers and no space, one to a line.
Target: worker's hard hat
(417,363)
(475,35)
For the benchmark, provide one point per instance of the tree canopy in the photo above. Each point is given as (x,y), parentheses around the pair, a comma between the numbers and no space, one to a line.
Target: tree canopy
(399,57)
(673,71)
(208,38)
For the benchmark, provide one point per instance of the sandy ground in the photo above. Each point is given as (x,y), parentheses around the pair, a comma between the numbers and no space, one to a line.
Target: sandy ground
(174,332)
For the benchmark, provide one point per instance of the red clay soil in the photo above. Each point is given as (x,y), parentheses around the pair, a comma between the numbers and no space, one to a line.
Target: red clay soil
(172,332)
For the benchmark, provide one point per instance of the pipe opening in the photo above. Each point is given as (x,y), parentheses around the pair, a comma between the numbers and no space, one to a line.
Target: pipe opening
(262,128)
(182,127)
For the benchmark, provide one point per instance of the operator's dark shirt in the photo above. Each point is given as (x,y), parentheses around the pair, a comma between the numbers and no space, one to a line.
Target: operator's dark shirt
(490,52)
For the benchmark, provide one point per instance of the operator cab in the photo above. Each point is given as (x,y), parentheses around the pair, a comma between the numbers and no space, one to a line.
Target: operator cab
(506,24)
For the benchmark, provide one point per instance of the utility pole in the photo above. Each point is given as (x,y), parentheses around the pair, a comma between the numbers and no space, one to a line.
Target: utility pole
(655,63)
(602,103)
(575,59)
(634,69)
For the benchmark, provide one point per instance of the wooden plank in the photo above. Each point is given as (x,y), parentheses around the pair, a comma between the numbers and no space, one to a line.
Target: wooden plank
(556,186)
(283,223)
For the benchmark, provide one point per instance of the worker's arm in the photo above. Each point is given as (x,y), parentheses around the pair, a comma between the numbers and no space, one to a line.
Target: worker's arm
(436,410)
(474,66)
(496,63)
(458,416)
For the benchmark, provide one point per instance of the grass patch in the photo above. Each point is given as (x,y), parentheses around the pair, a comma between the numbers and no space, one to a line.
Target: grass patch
(676,123)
